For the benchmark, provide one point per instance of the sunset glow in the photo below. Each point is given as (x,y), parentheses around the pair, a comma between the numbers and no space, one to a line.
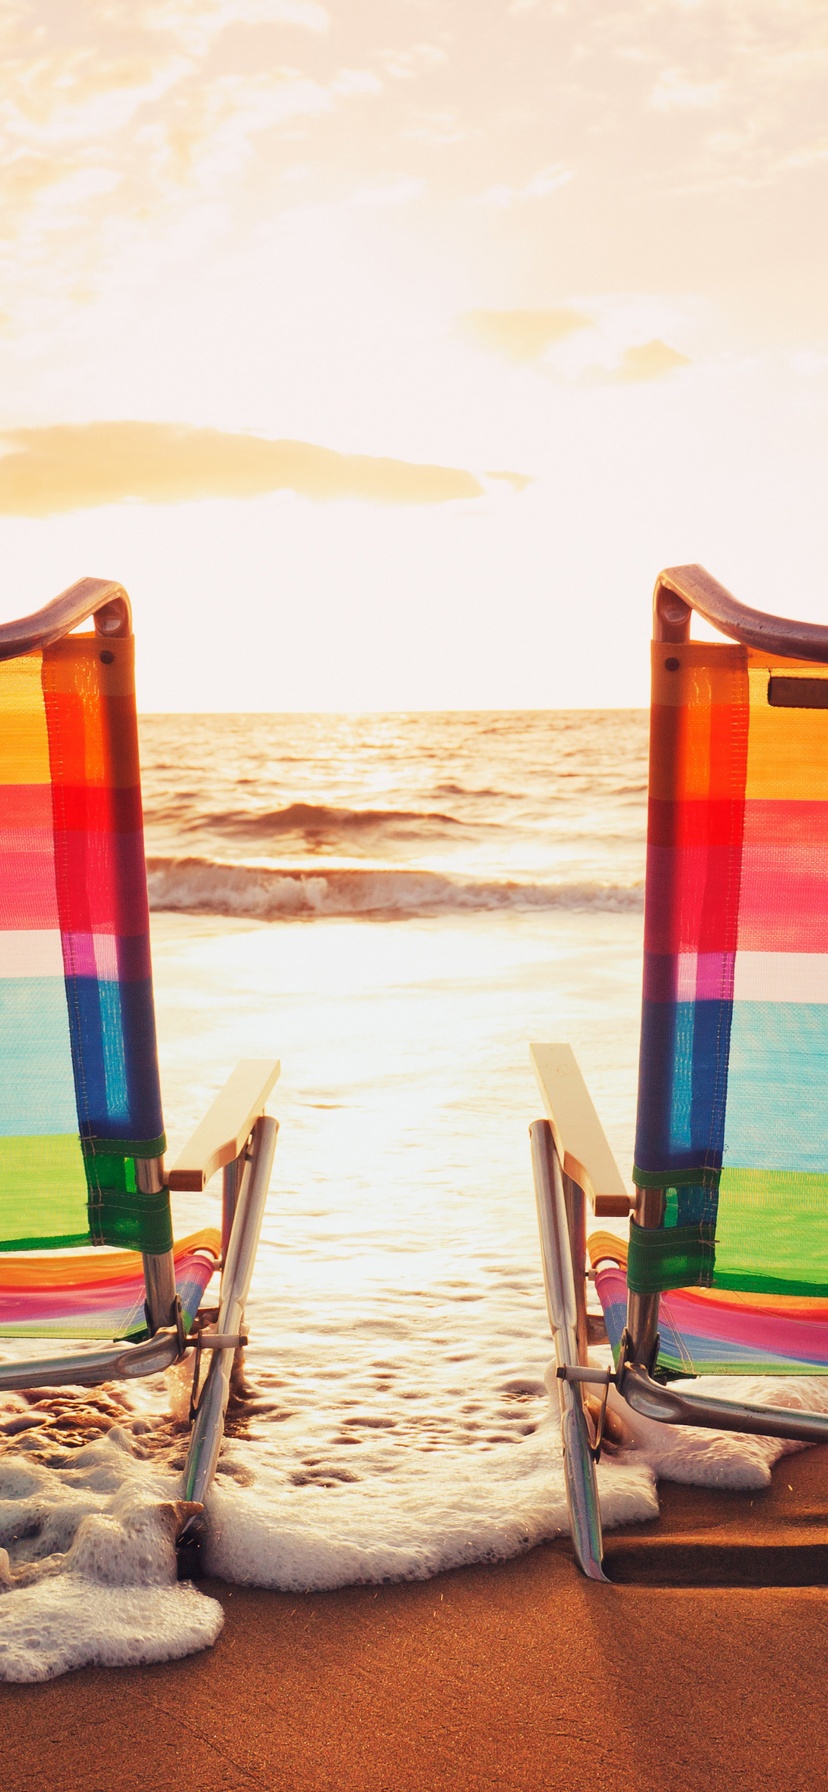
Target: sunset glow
(386,351)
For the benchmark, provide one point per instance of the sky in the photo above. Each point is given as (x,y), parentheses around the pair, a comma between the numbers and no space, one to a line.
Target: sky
(385,350)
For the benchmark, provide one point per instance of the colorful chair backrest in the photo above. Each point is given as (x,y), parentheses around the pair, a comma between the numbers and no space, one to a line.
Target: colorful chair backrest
(733,1087)
(81,1130)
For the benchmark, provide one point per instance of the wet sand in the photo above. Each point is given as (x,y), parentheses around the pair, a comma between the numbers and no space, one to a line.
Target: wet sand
(511,1675)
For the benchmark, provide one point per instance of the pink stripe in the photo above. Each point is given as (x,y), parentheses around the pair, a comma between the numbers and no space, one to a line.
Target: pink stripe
(28,897)
(107,955)
(693,1316)
(90,955)
(108,1301)
(611,1284)
(103,882)
(29,1306)
(783,904)
(691,899)
(771,1332)
(689,977)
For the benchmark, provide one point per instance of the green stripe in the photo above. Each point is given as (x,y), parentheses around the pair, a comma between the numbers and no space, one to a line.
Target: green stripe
(57,1195)
(53,1241)
(759,1284)
(43,1194)
(772,1232)
(771,1237)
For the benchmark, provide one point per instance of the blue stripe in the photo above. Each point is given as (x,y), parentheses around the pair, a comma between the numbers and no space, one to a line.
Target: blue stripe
(682,1081)
(37,1093)
(777,1108)
(115,1054)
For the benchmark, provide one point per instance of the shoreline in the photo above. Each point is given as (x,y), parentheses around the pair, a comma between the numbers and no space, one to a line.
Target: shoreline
(510,1675)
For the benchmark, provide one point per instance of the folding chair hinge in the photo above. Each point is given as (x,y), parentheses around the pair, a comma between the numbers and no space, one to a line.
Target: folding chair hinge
(199,1341)
(577,1372)
(218,1341)
(627,1358)
(603,1378)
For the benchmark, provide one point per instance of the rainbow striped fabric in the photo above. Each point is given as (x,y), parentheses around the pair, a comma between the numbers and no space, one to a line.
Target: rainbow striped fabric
(97,1294)
(733,1086)
(717,1332)
(80,1103)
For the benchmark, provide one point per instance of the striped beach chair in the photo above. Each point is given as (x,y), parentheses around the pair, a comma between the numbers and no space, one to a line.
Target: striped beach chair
(726,1266)
(86,1243)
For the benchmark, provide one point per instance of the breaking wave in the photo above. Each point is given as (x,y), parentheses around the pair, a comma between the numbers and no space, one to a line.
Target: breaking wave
(325,819)
(262,892)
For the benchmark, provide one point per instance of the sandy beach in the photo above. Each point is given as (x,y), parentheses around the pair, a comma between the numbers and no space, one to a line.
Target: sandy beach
(510,1675)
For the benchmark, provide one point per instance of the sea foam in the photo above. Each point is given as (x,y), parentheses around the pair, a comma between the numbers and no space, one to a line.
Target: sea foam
(195,885)
(88,1575)
(87,1566)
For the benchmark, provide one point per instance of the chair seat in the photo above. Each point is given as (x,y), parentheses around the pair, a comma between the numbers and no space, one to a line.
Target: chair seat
(97,1294)
(715,1331)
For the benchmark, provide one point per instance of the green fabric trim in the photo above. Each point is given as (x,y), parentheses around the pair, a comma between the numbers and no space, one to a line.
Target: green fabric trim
(142,1223)
(120,1213)
(700,1178)
(125,1147)
(663,1257)
(105,1171)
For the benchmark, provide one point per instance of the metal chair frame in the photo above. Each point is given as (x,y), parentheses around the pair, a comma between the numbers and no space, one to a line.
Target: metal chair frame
(235,1136)
(573,1167)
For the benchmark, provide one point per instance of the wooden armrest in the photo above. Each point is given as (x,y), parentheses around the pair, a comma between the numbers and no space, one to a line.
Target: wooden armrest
(580,1139)
(227,1124)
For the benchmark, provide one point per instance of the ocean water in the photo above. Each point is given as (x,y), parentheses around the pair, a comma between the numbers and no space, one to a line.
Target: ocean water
(395,816)
(394,906)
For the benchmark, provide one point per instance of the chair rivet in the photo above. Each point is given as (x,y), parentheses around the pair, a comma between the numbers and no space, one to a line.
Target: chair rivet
(672,665)
(108,657)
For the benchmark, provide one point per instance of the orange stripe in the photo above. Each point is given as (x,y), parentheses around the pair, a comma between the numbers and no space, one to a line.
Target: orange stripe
(89,1268)
(92,703)
(24,744)
(787,748)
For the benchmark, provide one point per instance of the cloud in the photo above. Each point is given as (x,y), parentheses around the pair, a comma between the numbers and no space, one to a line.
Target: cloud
(355,81)
(78,466)
(674,92)
(216,132)
(398,189)
(115,120)
(421,59)
(643,361)
(517,481)
(435,126)
(521,335)
(546,181)
(196,22)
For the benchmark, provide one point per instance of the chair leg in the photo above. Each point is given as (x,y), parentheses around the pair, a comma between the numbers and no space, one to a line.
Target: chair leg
(563,1305)
(208,1427)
